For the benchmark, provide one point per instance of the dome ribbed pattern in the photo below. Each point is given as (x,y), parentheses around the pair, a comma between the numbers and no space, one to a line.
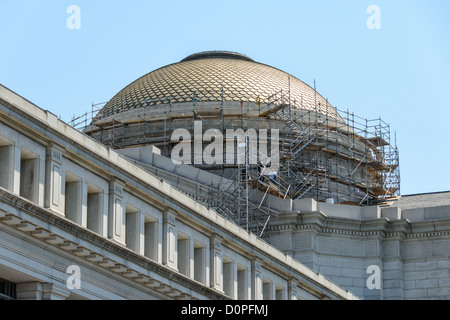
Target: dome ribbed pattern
(213,76)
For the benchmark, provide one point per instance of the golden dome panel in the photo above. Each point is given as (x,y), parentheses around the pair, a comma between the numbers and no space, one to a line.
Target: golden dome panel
(208,75)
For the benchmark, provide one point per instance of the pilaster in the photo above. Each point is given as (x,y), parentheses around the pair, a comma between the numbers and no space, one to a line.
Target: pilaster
(53,198)
(169,256)
(216,272)
(116,225)
(257,282)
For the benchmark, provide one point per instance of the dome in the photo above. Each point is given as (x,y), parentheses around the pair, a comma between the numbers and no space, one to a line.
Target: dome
(323,154)
(215,76)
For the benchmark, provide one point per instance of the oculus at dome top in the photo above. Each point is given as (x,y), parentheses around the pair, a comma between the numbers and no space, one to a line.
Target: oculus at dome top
(325,153)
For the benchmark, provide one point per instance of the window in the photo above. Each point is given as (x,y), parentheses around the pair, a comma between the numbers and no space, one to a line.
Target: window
(94,208)
(72,196)
(151,238)
(199,262)
(183,253)
(228,278)
(6,164)
(279,293)
(132,227)
(29,177)
(267,289)
(7,290)
(242,282)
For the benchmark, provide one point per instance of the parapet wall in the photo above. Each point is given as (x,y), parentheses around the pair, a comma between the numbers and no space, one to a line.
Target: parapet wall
(410,247)
(361,212)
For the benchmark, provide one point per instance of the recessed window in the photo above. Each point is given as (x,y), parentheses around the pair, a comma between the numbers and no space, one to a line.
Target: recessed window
(132,227)
(279,292)
(29,176)
(94,208)
(228,278)
(151,238)
(6,164)
(199,262)
(7,290)
(183,253)
(267,289)
(242,282)
(72,196)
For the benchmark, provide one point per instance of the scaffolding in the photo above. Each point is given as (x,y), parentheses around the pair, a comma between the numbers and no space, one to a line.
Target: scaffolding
(355,153)
(348,158)
(235,202)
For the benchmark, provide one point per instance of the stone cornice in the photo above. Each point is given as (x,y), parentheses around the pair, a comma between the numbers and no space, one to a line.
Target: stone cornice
(382,227)
(59,240)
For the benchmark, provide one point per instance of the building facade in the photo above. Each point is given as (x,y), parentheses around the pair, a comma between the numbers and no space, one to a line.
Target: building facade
(405,241)
(80,221)
(105,213)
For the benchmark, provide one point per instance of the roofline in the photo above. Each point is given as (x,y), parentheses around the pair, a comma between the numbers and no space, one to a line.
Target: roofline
(122,169)
(424,193)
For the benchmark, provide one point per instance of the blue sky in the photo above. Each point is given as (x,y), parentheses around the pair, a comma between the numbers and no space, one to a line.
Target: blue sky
(400,72)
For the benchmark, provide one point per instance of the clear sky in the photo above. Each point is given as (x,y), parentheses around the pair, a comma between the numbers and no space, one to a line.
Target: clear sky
(399,72)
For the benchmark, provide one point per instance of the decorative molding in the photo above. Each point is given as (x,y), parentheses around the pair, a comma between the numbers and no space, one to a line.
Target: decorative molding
(428,234)
(97,258)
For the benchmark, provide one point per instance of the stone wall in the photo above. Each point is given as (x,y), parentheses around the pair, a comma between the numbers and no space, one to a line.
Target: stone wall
(131,233)
(412,257)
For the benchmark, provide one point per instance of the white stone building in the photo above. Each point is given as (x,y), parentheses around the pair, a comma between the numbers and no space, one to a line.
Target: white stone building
(106,214)
(80,221)
(406,238)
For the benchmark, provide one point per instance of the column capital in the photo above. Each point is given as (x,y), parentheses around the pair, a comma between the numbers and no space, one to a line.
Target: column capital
(116,187)
(170,216)
(216,242)
(55,152)
(257,264)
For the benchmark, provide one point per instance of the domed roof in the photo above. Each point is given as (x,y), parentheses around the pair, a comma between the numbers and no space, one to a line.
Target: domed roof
(214,76)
